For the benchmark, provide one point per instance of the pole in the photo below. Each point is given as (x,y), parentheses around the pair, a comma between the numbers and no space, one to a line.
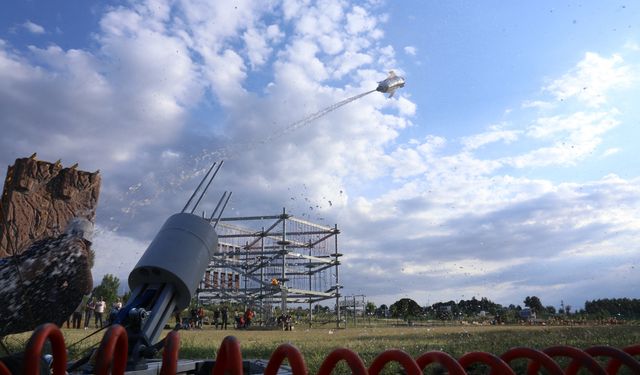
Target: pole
(310,285)
(284,263)
(198,188)
(355,323)
(337,279)
(246,270)
(262,276)
(346,313)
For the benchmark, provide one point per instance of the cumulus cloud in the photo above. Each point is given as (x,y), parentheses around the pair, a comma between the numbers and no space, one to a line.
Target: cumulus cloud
(591,79)
(611,151)
(127,99)
(166,88)
(33,27)
(458,220)
(410,50)
(478,140)
(115,254)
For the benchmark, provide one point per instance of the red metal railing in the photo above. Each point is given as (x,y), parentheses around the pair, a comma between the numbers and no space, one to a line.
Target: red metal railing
(112,357)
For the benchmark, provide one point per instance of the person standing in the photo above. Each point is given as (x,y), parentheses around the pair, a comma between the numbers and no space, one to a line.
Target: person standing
(200,317)
(193,320)
(225,317)
(88,311)
(77,316)
(99,312)
(216,317)
(248,317)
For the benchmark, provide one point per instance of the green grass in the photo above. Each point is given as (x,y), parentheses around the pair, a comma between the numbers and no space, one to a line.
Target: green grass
(315,344)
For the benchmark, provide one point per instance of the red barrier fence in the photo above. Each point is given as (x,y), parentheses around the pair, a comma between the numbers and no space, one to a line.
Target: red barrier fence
(112,356)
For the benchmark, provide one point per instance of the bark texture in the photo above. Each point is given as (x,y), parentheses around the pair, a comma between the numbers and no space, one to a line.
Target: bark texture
(39,199)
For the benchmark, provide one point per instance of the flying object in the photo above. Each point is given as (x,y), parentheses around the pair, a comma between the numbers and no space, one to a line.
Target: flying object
(390,84)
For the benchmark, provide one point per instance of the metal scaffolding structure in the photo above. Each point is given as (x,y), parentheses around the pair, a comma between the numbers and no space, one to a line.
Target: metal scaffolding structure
(265,261)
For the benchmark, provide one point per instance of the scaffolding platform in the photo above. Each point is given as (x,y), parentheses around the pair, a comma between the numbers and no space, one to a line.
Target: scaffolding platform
(273,260)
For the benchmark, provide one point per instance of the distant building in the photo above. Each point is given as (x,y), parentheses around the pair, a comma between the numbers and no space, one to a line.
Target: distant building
(527,314)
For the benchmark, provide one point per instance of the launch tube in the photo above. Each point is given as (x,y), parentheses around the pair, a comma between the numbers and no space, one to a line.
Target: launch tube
(178,255)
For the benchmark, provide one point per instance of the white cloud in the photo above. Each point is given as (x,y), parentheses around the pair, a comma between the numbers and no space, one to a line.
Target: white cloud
(115,254)
(360,21)
(592,78)
(257,47)
(478,140)
(410,50)
(171,86)
(632,46)
(461,267)
(33,28)
(573,138)
(611,151)
(539,104)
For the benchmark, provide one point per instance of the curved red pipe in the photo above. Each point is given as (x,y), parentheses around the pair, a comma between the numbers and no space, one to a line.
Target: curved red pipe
(498,366)
(536,357)
(614,365)
(442,358)
(355,363)
(113,349)
(296,361)
(112,356)
(229,358)
(33,354)
(170,354)
(632,350)
(579,359)
(400,356)
(4,370)
(618,358)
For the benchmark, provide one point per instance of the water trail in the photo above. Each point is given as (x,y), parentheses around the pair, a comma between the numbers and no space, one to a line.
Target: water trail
(314,116)
(173,182)
(234,150)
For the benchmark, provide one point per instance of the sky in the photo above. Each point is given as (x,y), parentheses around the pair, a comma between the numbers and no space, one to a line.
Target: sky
(506,167)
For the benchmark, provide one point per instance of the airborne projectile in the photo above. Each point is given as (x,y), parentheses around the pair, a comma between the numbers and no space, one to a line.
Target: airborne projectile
(390,84)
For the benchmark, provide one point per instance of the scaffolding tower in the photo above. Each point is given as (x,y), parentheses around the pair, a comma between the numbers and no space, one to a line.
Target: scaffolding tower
(264,261)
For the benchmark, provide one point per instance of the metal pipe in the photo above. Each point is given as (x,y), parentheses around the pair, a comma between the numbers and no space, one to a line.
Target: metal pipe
(245,268)
(262,278)
(284,262)
(222,210)
(337,280)
(207,187)
(218,206)
(198,188)
(310,285)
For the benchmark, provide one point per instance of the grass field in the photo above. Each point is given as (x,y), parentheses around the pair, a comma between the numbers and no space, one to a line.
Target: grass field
(315,344)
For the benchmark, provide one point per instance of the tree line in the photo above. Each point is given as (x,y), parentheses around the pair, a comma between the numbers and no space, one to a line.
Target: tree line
(614,307)
(406,308)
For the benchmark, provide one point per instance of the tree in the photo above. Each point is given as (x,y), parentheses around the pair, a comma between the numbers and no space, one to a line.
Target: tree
(534,303)
(405,308)
(108,289)
(381,312)
(126,296)
(370,308)
(550,310)
(567,309)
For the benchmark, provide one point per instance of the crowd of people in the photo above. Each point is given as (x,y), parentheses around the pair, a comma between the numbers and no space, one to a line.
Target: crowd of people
(93,308)
(220,318)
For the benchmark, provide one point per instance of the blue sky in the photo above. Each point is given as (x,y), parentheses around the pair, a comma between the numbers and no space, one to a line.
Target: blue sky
(506,167)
